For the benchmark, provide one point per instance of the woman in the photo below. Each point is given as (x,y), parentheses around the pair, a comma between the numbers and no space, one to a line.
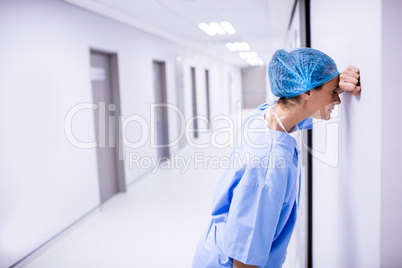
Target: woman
(255,201)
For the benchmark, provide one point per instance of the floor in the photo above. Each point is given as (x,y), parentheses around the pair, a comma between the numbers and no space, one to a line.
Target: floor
(157,223)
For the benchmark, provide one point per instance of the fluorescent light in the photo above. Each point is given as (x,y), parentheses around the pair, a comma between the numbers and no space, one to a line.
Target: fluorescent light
(230,46)
(243,55)
(244,46)
(228,27)
(217,28)
(214,28)
(236,46)
(252,55)
(255,61)
(247,55)
(206,28)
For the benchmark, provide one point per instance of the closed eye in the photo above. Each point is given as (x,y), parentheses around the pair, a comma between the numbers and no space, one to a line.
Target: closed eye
(339,90)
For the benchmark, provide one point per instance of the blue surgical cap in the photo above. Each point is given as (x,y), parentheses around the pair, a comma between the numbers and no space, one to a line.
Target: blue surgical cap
(293,72)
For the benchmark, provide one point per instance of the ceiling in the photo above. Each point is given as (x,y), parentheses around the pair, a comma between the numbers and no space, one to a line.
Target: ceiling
(260,23)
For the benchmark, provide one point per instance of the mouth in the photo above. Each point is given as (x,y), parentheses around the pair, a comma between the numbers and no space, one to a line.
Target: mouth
(330,110)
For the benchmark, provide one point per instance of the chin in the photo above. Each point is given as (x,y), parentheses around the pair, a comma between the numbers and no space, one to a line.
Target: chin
(327,114)
(327,118)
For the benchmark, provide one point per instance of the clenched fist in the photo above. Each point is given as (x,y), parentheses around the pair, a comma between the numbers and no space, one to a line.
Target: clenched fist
(348,80)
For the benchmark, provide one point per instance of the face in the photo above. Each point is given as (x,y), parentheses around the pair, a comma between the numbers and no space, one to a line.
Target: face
(323,101)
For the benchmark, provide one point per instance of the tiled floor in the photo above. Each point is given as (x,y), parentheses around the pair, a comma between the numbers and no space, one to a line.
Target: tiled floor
(157,223)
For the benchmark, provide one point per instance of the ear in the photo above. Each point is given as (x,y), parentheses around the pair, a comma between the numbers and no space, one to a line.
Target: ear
(306,95)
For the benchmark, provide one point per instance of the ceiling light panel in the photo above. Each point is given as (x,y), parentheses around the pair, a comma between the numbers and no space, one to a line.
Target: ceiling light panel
(244,46)
(207,29)
(247,55)
(231,46)
(218,29)
(255,61)
(228,27)
(238,46)
(214,28)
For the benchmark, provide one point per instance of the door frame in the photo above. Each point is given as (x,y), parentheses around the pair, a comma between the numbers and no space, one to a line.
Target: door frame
(115,88)
(193,75)
(163,96)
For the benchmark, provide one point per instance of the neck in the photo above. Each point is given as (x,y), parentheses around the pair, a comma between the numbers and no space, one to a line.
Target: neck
(288,116)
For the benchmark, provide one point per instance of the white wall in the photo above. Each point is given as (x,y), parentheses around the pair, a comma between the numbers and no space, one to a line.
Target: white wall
(347,183)
(46,183)
(391,145)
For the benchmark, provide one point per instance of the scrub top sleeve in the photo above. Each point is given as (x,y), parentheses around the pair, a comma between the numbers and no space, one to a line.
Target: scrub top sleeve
(252,220)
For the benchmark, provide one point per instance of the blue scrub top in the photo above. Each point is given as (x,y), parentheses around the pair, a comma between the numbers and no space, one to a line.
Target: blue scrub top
(254,202)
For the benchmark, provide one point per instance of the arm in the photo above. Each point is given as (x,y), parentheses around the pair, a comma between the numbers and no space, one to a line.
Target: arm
(237,264)
(348,80)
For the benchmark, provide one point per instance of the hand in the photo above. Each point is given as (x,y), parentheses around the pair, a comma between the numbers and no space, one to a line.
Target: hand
(237,264)
(348,80)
